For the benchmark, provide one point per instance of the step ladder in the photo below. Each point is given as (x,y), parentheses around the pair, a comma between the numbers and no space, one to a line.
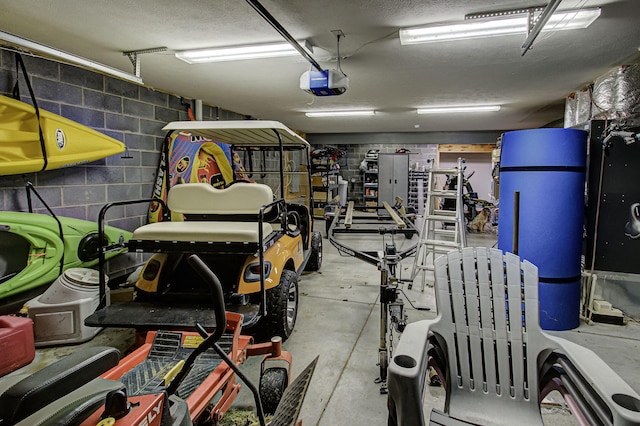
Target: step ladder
(442,230)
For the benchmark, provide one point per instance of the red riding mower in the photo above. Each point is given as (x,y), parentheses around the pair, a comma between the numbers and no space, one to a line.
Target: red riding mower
(174,378)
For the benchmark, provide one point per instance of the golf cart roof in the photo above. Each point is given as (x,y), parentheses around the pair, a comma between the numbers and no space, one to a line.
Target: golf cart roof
(241,132)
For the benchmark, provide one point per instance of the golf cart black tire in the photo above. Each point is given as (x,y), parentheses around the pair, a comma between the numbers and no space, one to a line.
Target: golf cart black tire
(276,323)
(315,258)
(273,383)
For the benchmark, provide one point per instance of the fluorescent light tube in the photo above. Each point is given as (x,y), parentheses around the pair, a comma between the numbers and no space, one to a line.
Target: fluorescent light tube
(240,53)
(456,109)
(496,26)
(48,51)
(339,113)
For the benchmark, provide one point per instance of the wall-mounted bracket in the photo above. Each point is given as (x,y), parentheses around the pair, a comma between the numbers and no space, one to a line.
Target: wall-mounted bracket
(535,26)
(497,14)
(537,18)
(135,60)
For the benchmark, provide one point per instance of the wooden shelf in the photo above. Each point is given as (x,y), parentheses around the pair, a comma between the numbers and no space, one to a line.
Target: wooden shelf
(466,148)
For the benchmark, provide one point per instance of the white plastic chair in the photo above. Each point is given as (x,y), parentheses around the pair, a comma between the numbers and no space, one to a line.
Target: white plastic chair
(494,361)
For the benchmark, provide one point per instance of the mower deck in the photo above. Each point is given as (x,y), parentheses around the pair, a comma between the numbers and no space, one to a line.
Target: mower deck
(145,371)
(167,350)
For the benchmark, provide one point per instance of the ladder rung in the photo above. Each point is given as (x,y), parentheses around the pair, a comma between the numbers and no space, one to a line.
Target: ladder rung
(436,243)
(437,250)
(444,194)
(444,171)
(439,212)
(445,232)
(440,218)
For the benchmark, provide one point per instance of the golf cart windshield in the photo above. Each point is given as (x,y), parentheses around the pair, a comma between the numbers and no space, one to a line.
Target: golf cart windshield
(262,151)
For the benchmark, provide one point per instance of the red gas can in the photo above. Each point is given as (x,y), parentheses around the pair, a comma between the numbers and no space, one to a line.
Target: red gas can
(16,343)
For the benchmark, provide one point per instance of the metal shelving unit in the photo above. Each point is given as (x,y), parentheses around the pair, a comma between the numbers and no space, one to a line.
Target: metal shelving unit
(417,179)
(324,181)
(370,183)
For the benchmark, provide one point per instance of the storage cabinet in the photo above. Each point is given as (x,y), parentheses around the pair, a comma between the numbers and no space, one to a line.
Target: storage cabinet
(393,177)
(614,237)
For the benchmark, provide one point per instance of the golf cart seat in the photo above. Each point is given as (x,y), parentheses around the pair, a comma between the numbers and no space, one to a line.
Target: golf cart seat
(494,362)
(232,215)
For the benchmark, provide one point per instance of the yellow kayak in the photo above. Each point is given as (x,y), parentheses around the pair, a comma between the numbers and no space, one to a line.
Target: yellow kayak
(66,142)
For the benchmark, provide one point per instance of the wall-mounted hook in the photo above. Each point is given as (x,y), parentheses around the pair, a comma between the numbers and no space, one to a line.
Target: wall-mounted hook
(126,155)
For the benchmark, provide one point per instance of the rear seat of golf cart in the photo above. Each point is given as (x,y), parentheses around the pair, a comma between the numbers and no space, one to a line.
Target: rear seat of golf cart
(241,219)
(237,214)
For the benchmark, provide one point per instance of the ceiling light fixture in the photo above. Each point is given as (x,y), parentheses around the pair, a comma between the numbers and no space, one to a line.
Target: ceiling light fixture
(339,113)
(496,24)
(240,53)
(456,109)
(48,51)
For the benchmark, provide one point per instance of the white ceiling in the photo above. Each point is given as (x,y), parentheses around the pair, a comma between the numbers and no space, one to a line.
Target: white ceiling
(385,76)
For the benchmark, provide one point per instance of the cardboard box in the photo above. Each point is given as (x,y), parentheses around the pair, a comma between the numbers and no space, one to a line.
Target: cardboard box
(371,204)
(318,212)
(320,196)
(317,181)
(120,295)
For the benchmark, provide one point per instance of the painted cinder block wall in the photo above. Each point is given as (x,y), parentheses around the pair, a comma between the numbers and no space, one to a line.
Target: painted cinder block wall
(355,153)
(423,147)
(129,112)
(135,115)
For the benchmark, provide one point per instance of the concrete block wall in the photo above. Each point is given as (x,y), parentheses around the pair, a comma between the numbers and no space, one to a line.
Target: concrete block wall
(129,112)
(355,153)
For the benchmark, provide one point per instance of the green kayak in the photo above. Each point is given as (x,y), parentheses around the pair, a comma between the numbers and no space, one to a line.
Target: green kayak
(33,253)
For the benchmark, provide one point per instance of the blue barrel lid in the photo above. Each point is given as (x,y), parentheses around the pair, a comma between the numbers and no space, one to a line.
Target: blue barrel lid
(544,147)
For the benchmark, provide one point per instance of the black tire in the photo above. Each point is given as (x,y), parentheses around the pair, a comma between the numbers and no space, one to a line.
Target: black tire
(409,235)
(282,307)
(315,258)
(273,383)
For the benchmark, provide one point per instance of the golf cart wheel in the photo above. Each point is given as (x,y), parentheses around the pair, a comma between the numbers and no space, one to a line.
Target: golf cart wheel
(315,259)
(409,235)
(273,383)
(282,306)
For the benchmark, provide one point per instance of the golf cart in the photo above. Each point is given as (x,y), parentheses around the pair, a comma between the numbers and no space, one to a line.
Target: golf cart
(255,233)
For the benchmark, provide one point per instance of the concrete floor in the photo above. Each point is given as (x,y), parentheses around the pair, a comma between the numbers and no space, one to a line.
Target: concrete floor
(338,320)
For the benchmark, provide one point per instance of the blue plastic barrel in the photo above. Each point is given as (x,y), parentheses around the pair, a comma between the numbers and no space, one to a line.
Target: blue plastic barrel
(547,167)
